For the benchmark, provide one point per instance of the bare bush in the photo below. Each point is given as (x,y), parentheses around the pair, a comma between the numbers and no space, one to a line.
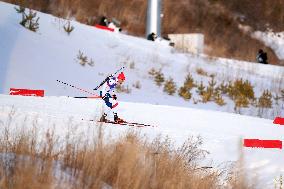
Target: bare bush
(68,28)
(152,72)
(200,71)
(29,21)
(132,65)
(278,182)
(83,59)
(20,9)
(137,85)
(123,89)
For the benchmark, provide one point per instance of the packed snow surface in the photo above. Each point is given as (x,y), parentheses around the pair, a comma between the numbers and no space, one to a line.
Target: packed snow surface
(37,60)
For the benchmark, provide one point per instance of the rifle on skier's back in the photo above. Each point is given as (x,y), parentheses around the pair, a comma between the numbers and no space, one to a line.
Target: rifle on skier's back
(106,79)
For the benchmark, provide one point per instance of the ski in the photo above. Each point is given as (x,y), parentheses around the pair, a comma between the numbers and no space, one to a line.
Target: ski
(123,123)
(131,124)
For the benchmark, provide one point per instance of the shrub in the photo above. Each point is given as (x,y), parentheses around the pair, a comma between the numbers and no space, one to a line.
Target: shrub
(91,62)
(83,59)
(276,98)
(132,65)
(241,88)
(195,101)
(219,100)
(29,21)
(189,82)
(223,88)
(282,94)
(137,85)
(200,89)
(159,78)
(123,89)
(184,93)
(212,75)
(210,92)
(278,182)
(200,71)
(212,83)
(207,95)
(241,92)
(265,100)
(128,62)
(240,102)
(20,9)
(170,86)
(152,72)
(68,28)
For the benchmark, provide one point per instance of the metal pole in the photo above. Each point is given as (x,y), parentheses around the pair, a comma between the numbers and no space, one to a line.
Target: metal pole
(154,17)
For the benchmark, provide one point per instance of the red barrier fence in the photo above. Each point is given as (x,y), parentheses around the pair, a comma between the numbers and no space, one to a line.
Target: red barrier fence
(26,92)
(256,143)
(104,27)
(279,120)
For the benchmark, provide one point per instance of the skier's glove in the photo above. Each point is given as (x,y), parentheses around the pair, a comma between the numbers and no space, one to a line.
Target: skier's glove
(110,76)
(114,97)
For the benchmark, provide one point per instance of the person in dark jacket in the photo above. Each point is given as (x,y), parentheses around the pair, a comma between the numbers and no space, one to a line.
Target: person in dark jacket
(104,21)
(152,36)
(261,57)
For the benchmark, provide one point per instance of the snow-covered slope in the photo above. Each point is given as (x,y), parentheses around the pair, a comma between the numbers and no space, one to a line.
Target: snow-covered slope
(37,60)
(221,132)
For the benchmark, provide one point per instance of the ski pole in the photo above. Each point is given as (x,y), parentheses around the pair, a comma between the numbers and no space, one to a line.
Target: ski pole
(83,90)
(119,70)
(87,97)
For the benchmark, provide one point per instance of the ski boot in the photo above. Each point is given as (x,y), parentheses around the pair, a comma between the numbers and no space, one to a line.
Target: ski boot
(117,119)
(103,118)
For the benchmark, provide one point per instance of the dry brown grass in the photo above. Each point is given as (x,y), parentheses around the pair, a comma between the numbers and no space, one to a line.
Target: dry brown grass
(29,160)
(202,72)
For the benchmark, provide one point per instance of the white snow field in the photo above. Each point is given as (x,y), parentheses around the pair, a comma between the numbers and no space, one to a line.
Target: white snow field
(221,132)
(36,60)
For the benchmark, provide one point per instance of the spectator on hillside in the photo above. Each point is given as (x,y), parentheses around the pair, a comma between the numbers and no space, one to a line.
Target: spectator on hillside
(104,21)
(113,26)
(261,57)
(152,36)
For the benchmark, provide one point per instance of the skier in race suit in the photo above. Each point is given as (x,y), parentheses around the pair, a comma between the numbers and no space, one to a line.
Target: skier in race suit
(107,93)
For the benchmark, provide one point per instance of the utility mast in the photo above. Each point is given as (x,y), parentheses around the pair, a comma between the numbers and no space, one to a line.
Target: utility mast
(154,17)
